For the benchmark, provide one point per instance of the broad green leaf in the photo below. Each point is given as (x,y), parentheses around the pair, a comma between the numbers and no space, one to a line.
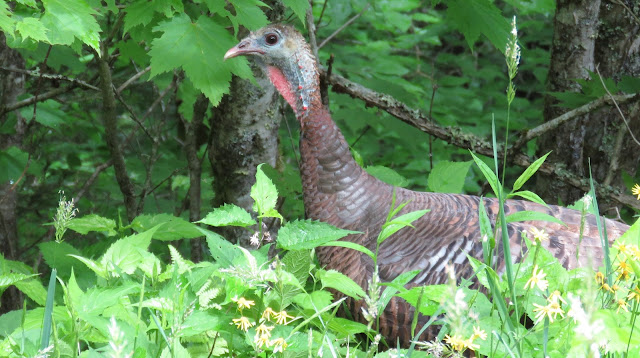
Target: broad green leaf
(264,193)
(298,263)
(67,20)
(387,175)
(142,12)
(198,48)
(398,223)
(9,279)
(199,322)
(299,8)
(127,254)
(473,18)
(313,301)
(98,269)
(532,216)
(488,174)
(93,222)
(49,114)
(13,161)
(172,227)
(56,255)
(529,172)
(31,27)
(448,177)
(222,251)
(429,296)
(307,234)
(345,326)
(249,14)
(531,196)
(341,282)
(392,288)
(6,22)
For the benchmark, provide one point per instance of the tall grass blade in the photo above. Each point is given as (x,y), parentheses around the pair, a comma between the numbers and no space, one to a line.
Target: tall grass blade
(48,311)
(602,229)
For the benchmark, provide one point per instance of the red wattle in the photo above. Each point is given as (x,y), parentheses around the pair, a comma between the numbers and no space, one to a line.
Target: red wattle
(282,85)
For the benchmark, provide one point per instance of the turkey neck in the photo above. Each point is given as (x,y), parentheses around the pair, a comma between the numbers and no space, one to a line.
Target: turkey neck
(336,188)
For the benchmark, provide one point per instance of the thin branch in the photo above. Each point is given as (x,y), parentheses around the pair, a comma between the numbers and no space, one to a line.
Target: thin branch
(617,107)
(312,30)
(75,81)
(619,2)
(133,115)
(157,101)
(460,139)
(99,169)
(324,7)
(344,26)
(572,114)
(133,79)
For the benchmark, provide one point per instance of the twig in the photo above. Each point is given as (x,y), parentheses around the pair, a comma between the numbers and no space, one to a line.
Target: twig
(133,79)
(155,103)
(344,26)
(628,10)
(29,101)
(460,139)
(556,122)
(617,107)
(324,7)
(51,77)
(133,115)
(312,30)
(99,169)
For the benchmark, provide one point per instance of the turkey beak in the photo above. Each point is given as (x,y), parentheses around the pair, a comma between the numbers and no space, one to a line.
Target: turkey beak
(243,48)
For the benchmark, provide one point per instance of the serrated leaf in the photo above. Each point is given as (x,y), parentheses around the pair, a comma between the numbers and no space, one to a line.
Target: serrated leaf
(387,175)
(31,27)
(198,48)
(222,251)
(127,254)
(249,14)
(528,173)
(532,216)
(529,195)
(13,161)
(473,18)
(298,262)
(98,269)
(9,279)
(448,177)
(307,234)
(341,282)
(392,288)
(313,301)
(264,193)
(56,255)
(488,174)
(142,12)
(352,246)
(93,222)
(67,20)
(299,8)
(429,296)
(6,22)
(172,227)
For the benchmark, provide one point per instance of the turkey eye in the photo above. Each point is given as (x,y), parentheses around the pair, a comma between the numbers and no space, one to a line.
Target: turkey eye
(271,39)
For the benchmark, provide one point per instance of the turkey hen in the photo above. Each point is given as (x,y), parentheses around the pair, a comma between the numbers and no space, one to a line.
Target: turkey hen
(339,192)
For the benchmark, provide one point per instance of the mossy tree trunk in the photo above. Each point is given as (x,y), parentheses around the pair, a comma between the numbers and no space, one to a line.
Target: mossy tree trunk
(592,34)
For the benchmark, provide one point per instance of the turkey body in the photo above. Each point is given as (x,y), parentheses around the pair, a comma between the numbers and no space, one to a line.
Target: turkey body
(338,191)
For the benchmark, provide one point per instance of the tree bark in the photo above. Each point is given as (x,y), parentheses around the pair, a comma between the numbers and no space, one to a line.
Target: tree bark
(590,34)
(11,86)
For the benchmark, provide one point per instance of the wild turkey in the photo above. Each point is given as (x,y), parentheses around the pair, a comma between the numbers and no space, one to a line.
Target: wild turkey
(338,191)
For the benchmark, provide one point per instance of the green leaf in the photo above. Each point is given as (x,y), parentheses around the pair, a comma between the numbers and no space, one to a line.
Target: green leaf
(249,14)
(531,196)
(529,172)
(264,193)
(198,48)
(67,20)
(307,234)
(56,255)
(49,114)
(299,8)
(341,282)
(10,279)
(430,300)
(351,245)
(532,216)
(448,177)
(142,12)
(473,18)
(222,251)
(172,227)
(13,161)
(488,174)
(392,288)
(398,223)
(387,175)
(93,222)
(127,254)
(31,27)
(313,301)
(6,22)
(98,269)
(298,263)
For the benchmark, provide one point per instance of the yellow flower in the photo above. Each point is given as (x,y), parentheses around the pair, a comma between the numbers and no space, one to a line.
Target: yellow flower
(261,341)
(625,270)
(268,313)
(634,295)
(552,310)
(279,345)
(281,317)
(537,279)
(622,248)
(622,304)
(538,235)
(456,342)
(469,344)
(555,296)
(479,333)
(243,323)
(263,330)
(243,302)
(636,190)
(606,287)
(599,278)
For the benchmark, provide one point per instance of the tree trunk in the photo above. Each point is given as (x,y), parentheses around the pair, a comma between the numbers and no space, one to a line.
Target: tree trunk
(591,34)
(11,86)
